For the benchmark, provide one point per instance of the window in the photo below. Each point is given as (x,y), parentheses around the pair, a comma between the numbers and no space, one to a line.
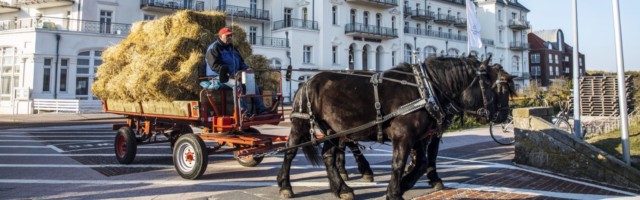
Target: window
(393,22)
(535,70)
(514,15)
(64,68)
(305,14)
(407,53)
(566,58)
(334,15)
(365,18)
(353,17)
(253,31)
(430,52)
(378,20)
(535,58)
(276,63)
(334,54)
(580,62)
(149,17)
(500,15)
(10,70)
(550,59)
(557,71)
(393,58)
(515,63)
(105,21)
(87,65)
(418,28)
(287,17)
(46,77)
(551,71)
(306,55)
(556,60)
(500,35)
(253,7)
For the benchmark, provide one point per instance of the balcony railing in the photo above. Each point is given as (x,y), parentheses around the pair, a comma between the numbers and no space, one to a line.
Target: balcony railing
(518,46)
(8,8)
(268,42)
(518,24)
(460,22)
(443,35)
(487,42)
(44,3)
(244,12)
(295,23)
(64,24)
(523,75)
(445,19)
(376,3)
(379,31)
(421,14)
(461,2)
(170,5)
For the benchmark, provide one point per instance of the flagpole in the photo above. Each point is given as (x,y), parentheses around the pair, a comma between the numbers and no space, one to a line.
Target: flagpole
(576,74)
(622,96)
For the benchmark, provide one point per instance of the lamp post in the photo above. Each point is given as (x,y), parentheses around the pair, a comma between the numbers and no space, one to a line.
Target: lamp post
(446,48)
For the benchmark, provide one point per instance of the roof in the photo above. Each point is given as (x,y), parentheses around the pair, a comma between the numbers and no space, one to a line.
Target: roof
(549,35)
(514,4)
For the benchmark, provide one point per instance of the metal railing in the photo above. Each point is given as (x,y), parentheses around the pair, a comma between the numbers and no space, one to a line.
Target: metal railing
(444,35)
(173,4)
(518,23)
(65,24)
(460,21)
(66,105)
(295,23)
(487,41)
(518,45)
(461,2)
(268,42)
(27,2)
(422,13)
(444,18)
(244,12)
(385,2)
(370,29)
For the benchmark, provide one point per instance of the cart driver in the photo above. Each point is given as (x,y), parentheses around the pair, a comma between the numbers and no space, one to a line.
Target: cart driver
(223,61)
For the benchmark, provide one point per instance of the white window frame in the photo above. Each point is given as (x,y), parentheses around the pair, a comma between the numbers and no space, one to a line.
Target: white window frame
(9,72)
(334,54)
(50,68)
(306,54)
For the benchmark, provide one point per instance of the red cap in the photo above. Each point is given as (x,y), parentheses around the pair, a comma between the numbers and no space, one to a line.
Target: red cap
(225,31)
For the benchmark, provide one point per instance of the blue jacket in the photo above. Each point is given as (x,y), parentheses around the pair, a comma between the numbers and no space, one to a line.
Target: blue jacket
(223,55)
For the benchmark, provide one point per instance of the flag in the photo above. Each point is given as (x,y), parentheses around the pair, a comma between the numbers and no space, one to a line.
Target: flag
(473,27)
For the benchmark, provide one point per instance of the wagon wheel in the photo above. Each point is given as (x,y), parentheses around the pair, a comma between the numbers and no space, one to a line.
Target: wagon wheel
(250,160)
(125,145)
(190,156)
(174,135)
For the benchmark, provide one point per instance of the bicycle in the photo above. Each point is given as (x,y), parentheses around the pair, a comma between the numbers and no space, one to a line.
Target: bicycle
(503,133)
(561,119)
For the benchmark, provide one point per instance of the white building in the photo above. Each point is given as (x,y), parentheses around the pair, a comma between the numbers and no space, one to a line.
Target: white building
(49,49)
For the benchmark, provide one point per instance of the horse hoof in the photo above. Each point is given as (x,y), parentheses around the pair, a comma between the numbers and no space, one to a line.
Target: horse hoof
(367,177)
(344,177)
(437,186)
(347,196)
(286,193)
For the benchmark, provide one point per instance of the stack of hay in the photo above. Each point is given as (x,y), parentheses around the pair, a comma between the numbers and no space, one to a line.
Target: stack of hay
(160,59)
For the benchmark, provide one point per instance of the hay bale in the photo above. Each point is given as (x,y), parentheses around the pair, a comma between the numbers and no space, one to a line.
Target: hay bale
(159,59)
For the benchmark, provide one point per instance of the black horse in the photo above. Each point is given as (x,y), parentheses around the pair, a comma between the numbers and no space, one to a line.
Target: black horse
(341,102)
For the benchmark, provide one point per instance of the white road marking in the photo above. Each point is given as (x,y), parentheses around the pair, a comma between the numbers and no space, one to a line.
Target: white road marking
(55,148)
(27,147)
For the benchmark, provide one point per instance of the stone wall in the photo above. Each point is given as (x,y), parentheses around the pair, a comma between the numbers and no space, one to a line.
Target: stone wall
(539,144)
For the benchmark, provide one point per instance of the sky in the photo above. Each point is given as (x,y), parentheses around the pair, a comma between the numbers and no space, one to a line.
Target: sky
(595,29)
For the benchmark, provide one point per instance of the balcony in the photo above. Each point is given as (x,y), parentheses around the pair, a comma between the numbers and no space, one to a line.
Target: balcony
(460,2)
(169,6)
(64,24)
(370,31)
(430,33)
(244,12)
(518,24)
(268,42)
(521,75)
(295,23)
(518,46)
(460,22)
(444,19)
(487,42)
(44,3)
(421,14)
(8,8)
(382,4)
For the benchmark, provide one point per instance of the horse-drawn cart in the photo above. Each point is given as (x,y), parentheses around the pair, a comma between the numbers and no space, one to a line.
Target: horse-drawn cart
(219,118)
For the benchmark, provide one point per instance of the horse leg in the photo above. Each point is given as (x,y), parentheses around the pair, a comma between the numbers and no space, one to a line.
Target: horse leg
(401,147)
(363,164)
(432,154)
(337,185)
(299,131)
(419,165)
(340,160)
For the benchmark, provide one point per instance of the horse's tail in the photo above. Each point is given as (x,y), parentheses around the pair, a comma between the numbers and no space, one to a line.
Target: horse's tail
(299,104)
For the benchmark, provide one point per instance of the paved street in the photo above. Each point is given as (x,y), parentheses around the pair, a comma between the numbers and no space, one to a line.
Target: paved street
(77,162)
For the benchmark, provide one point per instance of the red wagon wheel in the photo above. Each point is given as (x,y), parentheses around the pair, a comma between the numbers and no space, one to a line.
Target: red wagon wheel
(125,145)
(190,156)
(250,160)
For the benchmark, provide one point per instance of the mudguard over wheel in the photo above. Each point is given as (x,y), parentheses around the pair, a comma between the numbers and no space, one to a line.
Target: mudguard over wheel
(125,145)
(248,161)
(190,156)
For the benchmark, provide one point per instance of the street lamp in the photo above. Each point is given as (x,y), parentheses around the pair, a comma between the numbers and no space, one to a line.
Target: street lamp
(446,47)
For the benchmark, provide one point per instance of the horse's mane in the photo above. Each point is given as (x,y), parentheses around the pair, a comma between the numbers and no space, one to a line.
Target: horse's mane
(450,75)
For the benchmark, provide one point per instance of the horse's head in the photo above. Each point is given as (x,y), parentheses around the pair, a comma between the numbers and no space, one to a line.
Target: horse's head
(494,86)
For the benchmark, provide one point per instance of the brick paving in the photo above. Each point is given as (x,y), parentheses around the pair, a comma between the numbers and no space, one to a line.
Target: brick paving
(451,193)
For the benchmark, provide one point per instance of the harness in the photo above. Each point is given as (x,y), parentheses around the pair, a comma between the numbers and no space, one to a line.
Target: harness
(427,100)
